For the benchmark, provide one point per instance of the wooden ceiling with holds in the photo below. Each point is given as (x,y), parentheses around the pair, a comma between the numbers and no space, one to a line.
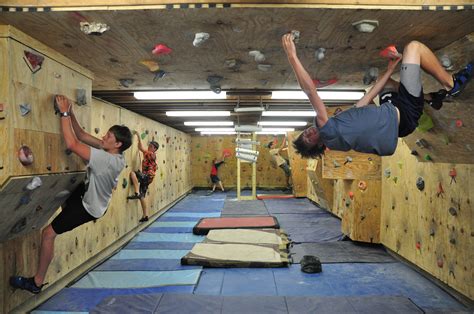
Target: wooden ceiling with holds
(123,61)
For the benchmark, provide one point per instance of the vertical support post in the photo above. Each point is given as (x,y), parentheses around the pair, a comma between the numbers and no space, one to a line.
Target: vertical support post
(254,169)
(238,179)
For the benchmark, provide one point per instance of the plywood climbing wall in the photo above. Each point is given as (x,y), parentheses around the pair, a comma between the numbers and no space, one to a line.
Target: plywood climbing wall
(320,190)
(205,148)
(432,227)
(298,167)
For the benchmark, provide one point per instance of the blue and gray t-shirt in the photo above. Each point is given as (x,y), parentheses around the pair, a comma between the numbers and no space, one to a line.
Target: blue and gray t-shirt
(369,129)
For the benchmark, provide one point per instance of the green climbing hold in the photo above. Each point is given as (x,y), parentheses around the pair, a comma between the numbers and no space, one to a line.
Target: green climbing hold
(395,179)
(124,183)
(428,157)
(198,145)
(143,135)
(425,123)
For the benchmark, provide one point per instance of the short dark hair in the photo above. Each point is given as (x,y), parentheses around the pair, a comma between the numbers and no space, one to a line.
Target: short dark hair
(122,135)
(308,151)
(155,144)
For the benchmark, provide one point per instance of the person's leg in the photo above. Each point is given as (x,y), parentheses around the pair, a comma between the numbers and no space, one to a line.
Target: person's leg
(134,179)
(46,254)
(220,184)
(417,53)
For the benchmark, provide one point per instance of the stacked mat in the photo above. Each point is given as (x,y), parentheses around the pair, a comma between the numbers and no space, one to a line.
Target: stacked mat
(240,248)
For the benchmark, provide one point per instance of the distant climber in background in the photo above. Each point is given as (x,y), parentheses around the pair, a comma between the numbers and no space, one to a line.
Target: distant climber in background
(90,200)
(279,161)
(214,169)
(375,129)
(141,179)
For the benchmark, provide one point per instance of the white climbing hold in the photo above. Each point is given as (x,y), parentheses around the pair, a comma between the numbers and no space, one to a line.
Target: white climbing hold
(257,55)
(62,194)
(446,62)
(34,183)
(94,28)
(366,26)
(200,38)
(25,109)
(371,75)
(320,54)
(264,67)
(296,36)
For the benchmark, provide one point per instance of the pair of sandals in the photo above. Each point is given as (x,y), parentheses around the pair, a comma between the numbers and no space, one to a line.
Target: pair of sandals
(461,79)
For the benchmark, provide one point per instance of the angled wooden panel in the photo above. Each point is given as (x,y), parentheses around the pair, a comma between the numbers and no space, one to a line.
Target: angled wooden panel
(336,165)
(298,167)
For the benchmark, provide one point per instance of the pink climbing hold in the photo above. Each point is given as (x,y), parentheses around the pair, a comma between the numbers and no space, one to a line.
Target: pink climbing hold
(161,49)
(320,84)
(440,263)
(459,123)
(390,52)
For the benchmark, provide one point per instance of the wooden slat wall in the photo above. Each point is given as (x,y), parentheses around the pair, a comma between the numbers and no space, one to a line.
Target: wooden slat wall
(298,167)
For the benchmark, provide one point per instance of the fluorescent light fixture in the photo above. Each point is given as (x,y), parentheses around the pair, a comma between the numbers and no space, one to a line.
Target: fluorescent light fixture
(309,113)
(214,130)
(198,113)
(278,129)
(218,133)
(283,123)
(208,123)
(248,128)
(179,95)
(325,95)
(249,109)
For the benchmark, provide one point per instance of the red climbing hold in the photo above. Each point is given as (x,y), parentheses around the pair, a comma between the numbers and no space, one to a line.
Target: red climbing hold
(459,123)
(351,195)
(453,174)
(33,61)
(418,245)
(227,152)
(440,263)
(320,84)
(440,191)
(161,49)
(390,52)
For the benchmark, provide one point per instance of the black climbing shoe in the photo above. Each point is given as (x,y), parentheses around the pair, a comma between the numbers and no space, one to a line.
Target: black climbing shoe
(461,79)
(144,219)
(136,196)
(311,264)
(19,282)
(436,101)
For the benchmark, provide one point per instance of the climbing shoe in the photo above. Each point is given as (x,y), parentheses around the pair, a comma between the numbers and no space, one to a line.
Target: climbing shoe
(144,219)
(436,101)
(310,264)
(136,196)
(19,282)
(461,79)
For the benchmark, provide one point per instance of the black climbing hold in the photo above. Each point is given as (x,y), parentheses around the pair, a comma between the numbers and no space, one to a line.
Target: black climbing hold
(126,82)
(49,167)
(311,264)
(96,130)
(414,153)
(19,226)
(420,183)
(68,151)
(81,97)
(453,211)
(66,168)
(73,180)
(124,183)
(25,199)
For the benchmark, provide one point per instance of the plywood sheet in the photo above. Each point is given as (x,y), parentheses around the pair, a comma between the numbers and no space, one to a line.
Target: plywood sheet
(351,165)
(298,167)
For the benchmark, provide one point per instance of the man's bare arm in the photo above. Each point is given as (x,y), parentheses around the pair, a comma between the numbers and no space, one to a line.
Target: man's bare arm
(82,135)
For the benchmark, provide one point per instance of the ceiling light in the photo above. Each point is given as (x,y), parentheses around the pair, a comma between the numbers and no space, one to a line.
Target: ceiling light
(178,95)
(249,109)
(208,123)
(218,133)
(324,95)
(311,113)
(214,130)
(198,113)
(283,123)
(248,128)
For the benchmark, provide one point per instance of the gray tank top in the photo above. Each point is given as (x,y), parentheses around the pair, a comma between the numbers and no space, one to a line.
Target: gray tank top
(370,129)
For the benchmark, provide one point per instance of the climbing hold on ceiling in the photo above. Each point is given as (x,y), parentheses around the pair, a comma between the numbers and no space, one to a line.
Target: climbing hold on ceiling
(62,194)
(264,67)
(34,61)
(25,155)
(81,97)
(94,28)
(390,52)
(18,226)
(151,65)
(34,183)
(159,74)
(366,26)
(320,53)
(161,49)
(432,232)
(257,55)
(25,199)
(200,38)
(420,184)
(422,143)
(214,79)
(126,82)
(25,109)
(453,211)
(370,75)
(233,64)
(446,62)
(295,35)
(459,123)
(324,83)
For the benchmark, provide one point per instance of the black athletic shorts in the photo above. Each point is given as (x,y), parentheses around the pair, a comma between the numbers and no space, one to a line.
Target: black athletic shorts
(409,106)
(144,181)
(215,179)
(73,213)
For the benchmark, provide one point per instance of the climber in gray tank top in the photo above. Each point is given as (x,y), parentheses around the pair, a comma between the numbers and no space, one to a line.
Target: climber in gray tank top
(369,128)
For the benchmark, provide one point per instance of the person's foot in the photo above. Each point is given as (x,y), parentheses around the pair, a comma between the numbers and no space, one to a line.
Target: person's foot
(144,219)
(136,196)
(19,282)
(436,101)
(210,192)
(461,79)
(223,190)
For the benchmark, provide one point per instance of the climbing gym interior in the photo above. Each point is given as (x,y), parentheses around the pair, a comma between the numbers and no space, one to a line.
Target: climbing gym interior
(227,216)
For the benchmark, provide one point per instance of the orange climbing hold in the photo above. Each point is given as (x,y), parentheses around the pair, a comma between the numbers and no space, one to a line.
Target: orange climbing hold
(362,185)
(453,174)
(390,52)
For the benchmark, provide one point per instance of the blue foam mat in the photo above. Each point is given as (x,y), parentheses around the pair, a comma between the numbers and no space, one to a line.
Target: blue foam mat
(169,230)
(167,237)
(169,224)
(149,254)
(136,245)
(192,214)
(144,264)
(73,299)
